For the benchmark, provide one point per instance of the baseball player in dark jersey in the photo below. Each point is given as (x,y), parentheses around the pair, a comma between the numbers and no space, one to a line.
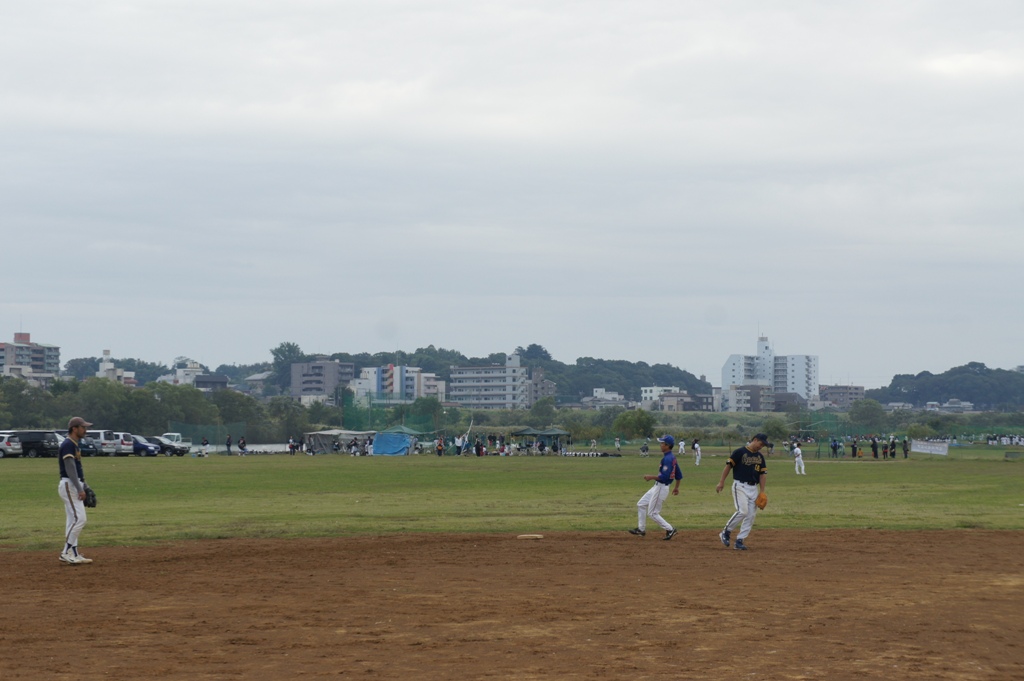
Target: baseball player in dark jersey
(748,480)
(651,502)
(72,491)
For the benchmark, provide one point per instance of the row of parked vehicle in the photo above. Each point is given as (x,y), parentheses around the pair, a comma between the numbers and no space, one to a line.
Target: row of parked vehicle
(36,443)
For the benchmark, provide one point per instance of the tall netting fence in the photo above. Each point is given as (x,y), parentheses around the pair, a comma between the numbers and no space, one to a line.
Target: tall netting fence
(217,434)
(380,411)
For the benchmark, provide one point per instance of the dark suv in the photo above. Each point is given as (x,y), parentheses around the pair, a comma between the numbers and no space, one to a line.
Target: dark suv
(38,443)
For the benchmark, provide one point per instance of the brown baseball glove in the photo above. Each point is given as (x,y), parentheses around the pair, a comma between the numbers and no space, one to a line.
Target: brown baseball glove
(762,500)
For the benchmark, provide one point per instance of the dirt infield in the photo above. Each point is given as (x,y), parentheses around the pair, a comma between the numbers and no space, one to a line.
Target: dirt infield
(798,605)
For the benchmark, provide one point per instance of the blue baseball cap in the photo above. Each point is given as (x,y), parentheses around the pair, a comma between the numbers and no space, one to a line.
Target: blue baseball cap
(668,439)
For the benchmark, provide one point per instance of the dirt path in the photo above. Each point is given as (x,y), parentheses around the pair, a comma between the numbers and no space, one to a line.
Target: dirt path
(799,605)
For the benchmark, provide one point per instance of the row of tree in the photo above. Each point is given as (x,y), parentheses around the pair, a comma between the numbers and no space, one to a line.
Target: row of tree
(988,389)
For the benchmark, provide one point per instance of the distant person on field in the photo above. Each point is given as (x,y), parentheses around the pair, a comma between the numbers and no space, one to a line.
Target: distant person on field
(798,458)
(906,447)
(618,445)
(696,452)
(228,444)
(206,447)
(853,448)
(242,451)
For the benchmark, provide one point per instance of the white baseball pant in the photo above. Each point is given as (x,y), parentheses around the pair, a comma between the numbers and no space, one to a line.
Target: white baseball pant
(650,505)
(74,511)
(744,497)
(800,466)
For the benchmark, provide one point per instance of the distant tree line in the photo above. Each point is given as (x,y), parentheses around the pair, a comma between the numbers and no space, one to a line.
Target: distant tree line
(988,389)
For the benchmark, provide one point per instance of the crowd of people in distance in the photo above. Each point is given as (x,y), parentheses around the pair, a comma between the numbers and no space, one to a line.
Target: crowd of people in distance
(495,445)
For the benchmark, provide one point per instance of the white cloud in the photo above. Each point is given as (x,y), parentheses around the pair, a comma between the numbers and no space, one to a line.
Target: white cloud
(987,64)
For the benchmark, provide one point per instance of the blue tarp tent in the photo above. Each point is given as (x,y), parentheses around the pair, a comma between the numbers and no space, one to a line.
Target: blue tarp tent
(392,444)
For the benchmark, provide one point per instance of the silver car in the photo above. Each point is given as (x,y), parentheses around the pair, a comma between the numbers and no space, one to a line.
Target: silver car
(10,445)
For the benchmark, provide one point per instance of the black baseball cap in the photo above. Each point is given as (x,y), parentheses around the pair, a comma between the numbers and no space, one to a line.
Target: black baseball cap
(760,436)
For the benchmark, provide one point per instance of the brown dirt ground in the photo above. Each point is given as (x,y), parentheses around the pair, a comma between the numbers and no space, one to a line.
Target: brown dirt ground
(798,605)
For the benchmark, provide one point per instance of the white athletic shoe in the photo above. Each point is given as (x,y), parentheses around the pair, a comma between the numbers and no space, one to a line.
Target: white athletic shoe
(71,559)
(82,559)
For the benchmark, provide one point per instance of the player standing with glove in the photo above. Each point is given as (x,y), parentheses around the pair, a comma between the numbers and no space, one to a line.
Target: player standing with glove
(72,491)
(650,503)
(748,481)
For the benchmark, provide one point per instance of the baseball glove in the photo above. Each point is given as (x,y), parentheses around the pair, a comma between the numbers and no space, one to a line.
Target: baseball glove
(90,497)
(762,500)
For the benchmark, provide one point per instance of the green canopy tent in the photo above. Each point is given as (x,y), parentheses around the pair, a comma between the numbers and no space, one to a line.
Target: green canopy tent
(551,435)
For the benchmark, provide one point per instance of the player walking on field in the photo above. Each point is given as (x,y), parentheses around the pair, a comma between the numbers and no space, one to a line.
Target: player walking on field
(798,457)
(650,503)
(748,481)
(72,489)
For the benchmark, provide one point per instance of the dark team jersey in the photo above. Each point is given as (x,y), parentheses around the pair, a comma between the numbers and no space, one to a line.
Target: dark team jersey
(669,469)
(69,448)
(747,466)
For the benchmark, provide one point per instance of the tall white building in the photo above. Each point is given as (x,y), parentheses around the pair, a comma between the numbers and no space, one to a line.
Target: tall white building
(781,373)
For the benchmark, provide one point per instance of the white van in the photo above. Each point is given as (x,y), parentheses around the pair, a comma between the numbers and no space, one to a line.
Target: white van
(125,443)
(105,440)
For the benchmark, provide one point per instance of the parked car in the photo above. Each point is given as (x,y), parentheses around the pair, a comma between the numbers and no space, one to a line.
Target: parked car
(125,443)
(38,443)
(178,440)
(167,448)
(143,447)
(106,441)
(10,445)
(89,447)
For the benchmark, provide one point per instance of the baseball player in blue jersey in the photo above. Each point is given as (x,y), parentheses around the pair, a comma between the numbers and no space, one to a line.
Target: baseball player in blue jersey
(748,480)
(72,491)
(650,503)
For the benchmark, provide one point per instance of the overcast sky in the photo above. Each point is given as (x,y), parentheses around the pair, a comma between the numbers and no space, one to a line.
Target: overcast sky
(656,181)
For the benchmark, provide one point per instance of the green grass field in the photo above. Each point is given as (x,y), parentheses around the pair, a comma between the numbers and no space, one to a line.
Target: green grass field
(151,500)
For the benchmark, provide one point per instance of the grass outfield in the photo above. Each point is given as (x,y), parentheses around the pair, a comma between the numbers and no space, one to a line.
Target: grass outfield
(150,500)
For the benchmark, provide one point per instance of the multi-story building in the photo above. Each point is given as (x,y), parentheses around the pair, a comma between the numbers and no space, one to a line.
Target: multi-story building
(779,373)
(748,398)
(185,372)
(109,371)
(842,396)
(397,384)
(317,380)
(602,398)
(491,387)
(649,395)
(671,400)
(40,358)
(540,387)
(684,401)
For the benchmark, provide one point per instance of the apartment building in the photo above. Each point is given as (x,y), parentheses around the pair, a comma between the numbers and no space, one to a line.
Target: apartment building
(494,386)
(778,373)
(317,381)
